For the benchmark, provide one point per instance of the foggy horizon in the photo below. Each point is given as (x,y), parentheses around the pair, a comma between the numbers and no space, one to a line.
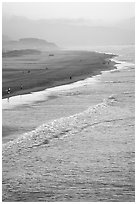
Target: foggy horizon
(70,24)
(80,20)
(106,12)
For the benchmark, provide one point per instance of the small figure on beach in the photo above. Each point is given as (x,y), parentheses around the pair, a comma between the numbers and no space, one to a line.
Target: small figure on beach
(21,87)
(28,71)
(70,77)
(8,91)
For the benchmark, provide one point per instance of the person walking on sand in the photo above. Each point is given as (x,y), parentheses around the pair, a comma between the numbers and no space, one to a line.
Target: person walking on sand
(8,91)
(21,87)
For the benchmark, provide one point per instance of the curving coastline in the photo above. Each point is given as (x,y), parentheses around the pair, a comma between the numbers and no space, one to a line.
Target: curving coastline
(36,73)
(88,156)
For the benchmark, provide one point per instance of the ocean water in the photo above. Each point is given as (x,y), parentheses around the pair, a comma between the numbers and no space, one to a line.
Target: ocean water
(84,146)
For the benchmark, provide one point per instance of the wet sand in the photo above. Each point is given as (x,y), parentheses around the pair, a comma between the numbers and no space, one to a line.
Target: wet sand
(79,64)
(29,73)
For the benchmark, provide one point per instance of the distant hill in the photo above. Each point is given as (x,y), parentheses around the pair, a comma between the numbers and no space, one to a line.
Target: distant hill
(36,43)
(18,53)
(28,43)
(67,33)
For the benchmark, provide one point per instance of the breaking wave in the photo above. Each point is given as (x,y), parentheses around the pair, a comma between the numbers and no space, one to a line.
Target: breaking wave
(60,128)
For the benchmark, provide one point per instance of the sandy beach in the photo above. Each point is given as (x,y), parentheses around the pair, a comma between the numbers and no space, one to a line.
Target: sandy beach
(27,73)
(78,144)
(57,71)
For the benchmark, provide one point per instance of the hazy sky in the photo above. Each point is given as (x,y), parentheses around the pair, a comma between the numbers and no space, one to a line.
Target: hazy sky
(104,11)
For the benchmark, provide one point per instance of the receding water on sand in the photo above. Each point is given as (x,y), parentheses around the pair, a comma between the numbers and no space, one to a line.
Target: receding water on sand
(44,95)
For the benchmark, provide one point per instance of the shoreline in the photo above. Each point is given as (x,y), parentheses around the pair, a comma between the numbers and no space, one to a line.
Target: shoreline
(79,144)
(58,83)
(78,69)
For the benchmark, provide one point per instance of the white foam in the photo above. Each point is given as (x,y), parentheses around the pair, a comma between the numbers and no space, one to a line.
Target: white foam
(55,127)
(123,64)
(44,95)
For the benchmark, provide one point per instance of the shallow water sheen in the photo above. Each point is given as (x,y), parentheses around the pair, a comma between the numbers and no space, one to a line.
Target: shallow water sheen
(85,157)
(88,156)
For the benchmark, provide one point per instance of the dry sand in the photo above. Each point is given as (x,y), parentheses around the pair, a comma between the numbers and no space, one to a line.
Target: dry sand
(37,72)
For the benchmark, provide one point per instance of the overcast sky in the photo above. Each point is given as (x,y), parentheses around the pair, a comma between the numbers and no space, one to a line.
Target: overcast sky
(104,11)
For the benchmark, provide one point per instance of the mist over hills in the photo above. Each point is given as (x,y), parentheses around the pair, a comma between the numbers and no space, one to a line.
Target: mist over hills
(71,32)
(27,43)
